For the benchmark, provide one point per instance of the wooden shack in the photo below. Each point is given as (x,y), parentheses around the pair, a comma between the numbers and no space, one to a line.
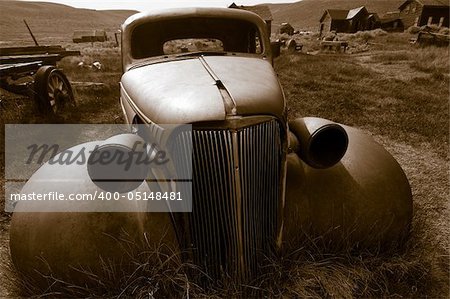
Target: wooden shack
(391,21)
(425,12)
(349,21)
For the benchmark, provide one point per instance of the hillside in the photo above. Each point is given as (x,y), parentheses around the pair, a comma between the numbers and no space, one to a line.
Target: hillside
(306,14)
(55,22)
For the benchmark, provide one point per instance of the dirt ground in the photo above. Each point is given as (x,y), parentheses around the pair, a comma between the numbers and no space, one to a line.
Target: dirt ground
(8,289)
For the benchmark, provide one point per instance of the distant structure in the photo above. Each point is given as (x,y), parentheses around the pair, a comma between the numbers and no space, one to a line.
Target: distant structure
(424,12)
(391,21)
(261,10)
(350,21)
(80,36)
(287,29)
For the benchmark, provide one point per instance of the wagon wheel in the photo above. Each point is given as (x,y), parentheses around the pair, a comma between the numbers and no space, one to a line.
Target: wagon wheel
(52,90)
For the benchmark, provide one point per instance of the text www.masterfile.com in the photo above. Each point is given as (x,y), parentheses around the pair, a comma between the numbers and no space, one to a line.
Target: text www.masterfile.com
(97,195)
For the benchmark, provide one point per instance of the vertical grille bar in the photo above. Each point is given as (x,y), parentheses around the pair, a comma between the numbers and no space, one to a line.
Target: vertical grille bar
(236,189)
(260,156)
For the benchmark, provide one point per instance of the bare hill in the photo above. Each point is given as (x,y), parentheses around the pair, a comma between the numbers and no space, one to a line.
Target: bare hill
(53,22)
(306,14)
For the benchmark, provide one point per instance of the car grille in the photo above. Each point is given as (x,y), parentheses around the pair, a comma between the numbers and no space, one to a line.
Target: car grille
(236,195)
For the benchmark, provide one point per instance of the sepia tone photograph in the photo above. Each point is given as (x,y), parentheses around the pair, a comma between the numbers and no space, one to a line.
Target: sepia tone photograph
(219,149)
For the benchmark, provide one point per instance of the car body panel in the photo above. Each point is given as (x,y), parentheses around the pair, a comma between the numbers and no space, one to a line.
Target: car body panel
(174,92)
(187,91)
(67,243)
(364,200)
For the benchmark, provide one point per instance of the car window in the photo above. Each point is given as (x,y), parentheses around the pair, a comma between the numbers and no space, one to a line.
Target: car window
(158,38)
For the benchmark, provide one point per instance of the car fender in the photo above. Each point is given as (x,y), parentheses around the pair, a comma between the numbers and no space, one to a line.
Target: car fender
(66,244)
(364,200)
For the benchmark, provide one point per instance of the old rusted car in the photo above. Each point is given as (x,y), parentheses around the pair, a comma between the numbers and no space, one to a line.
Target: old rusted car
(260,184)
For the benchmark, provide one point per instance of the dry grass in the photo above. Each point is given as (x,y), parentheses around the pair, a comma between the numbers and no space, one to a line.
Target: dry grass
(149,270)
(413,110)
(431,60)
(408,114)
(362,36)
(401,93)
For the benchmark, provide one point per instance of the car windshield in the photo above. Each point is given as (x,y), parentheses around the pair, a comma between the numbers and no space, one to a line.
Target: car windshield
(195,35)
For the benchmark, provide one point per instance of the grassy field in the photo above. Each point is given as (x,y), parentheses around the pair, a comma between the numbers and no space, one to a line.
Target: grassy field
(395,91)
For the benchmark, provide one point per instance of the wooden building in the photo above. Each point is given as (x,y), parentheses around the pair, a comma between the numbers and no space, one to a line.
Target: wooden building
(89,36)
(333,20)
(261,10)
(425,12)
(391,21)
(350,21)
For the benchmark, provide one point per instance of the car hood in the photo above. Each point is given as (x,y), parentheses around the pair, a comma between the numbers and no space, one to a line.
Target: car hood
(202,88)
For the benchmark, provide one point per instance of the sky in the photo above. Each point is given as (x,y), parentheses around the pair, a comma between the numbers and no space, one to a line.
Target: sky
(143,5)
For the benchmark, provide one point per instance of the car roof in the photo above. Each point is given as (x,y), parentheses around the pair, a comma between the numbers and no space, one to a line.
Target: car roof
(174,13)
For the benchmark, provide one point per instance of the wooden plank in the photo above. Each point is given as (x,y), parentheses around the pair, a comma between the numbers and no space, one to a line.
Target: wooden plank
(87,84)
(11,51)
(334,43)
(29,58)
(46,58)
(6,67)
(19,68)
